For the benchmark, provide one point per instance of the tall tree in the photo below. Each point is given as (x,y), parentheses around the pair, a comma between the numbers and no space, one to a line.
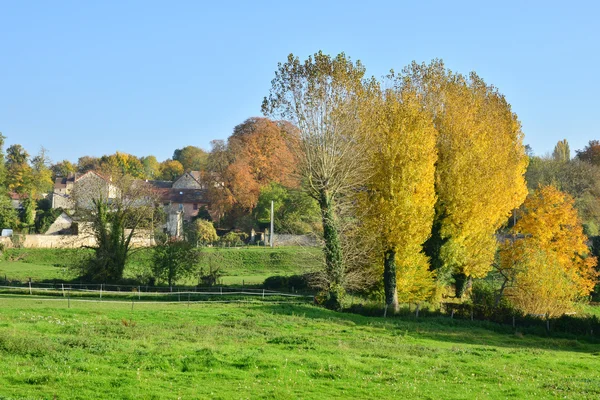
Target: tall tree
(400,194)
(151,167)
(18,170)
(562,152)
(41,181)
(480,167)
(590,153)
(2,161)
(322,96)
(192,158)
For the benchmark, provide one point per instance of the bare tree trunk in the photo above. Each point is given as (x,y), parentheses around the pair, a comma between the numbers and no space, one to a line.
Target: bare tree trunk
(389,281)
(500,293)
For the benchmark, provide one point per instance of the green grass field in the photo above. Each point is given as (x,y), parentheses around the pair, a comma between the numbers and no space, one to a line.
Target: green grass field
(248,265)
(258,350)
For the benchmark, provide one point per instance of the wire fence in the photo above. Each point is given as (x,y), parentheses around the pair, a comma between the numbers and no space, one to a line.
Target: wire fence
(148,294)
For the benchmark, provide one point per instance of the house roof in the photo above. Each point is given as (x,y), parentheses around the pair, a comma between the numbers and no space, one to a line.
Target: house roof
(182,196)
(161,184)
(61,181)
(91,172)
(196,175)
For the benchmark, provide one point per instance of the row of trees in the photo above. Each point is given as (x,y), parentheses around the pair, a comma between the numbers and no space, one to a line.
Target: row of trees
(412,181)
(188,158)
(429,165)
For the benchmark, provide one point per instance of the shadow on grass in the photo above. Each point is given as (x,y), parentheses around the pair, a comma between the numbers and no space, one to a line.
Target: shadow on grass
(445,329)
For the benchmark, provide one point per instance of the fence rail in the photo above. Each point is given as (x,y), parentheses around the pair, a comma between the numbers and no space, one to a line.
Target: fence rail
(136,292)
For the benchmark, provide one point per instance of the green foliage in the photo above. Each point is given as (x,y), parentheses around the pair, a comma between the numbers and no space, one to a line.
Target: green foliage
(562,152)
(174,260)
(294,211)
(333,298)
(578,178)
(151,167)
(9,219)
(28,214)
(289,283)
(192,158)
(45,218)
(112,245)
(234,238)
(200,232)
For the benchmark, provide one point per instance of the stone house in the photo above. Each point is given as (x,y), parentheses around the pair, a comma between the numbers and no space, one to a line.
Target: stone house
(87,185)
(187,195)
(182,199)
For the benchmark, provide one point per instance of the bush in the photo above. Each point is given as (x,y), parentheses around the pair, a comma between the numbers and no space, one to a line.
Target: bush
(200,231)
(234,238)
(289,283)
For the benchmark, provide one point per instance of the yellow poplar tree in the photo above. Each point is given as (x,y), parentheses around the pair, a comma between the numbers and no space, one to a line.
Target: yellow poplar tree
(480,168)
(400,196)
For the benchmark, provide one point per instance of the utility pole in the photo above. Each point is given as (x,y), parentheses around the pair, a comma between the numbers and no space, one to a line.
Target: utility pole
(271,231)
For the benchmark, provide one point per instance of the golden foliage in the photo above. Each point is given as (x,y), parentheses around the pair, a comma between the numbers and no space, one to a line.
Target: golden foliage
(481,163)
(551,225)
(400,195)
(541,285)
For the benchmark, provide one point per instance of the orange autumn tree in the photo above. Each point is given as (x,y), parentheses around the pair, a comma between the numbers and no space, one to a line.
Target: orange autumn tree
(259,151)
(551,266)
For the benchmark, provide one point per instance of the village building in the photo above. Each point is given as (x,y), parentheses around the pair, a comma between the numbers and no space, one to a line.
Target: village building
(182,199)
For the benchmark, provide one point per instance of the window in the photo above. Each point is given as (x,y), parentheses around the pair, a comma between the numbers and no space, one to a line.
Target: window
(195,206)
(180,207)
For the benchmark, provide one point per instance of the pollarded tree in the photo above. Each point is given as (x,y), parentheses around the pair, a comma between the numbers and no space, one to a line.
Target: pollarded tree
(322,96)
(480,167)
(400,194)
(118,210)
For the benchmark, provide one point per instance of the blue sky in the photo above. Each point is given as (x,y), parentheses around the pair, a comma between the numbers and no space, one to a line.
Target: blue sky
(144,77)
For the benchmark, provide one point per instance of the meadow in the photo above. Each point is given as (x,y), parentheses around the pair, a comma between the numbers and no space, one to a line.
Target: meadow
(275,351)
(245,265)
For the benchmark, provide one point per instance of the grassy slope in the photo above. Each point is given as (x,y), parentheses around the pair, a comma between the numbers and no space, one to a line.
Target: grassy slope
(248,265)
(225,351)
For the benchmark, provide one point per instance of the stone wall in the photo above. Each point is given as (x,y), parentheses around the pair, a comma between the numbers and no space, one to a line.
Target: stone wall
(67,241)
